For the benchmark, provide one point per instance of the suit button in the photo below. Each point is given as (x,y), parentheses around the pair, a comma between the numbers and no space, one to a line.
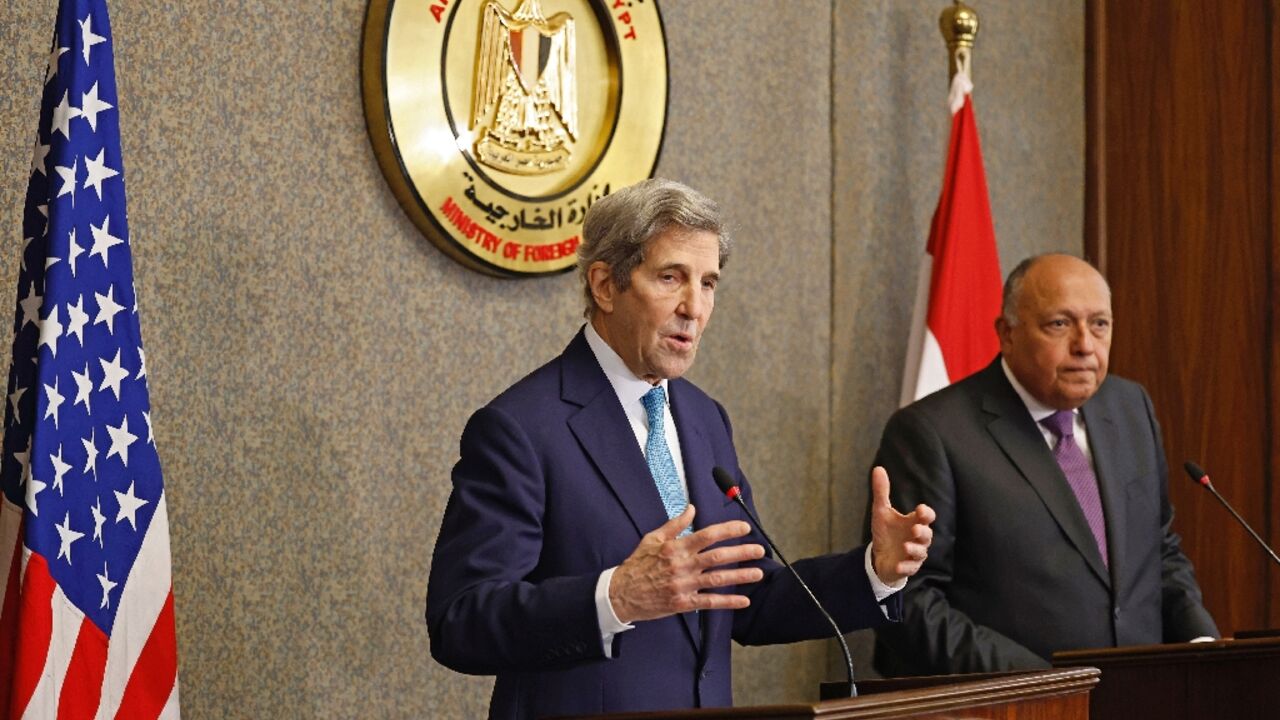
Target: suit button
(706,674)
(1115,614)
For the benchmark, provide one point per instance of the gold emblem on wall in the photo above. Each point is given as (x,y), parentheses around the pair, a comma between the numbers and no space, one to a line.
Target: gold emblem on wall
(526,106)
(497,123)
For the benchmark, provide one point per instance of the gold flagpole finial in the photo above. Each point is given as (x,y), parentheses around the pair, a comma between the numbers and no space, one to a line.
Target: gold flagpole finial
(959,25)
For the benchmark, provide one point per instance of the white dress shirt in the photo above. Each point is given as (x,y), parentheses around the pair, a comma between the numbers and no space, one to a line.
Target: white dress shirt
(1039,411)
(630,389)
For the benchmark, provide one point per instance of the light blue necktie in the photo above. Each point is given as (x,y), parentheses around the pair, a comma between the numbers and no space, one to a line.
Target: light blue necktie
(658,455)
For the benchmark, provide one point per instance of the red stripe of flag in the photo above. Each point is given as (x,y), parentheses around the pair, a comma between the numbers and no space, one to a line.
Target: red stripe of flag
(82,688)
(151,682)
(34,632)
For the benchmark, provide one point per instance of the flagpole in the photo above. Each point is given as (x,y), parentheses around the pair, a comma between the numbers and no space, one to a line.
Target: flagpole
(959,26)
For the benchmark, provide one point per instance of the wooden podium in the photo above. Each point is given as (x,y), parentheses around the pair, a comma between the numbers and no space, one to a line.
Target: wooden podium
(1237,679)
(1061,694)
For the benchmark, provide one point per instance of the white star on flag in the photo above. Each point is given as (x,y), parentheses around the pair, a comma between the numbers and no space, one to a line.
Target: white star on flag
(83,386)
(53,402)
(24,460)
(91,450)
(107,309)
(103,240)
(54,54)
(89,38)
(98,520)
(107,587)
(60,468)
(50,331)
(73,251)
(14,397)
(112,375)
(76,319)
(66,536)
(68,175)
(129,505)
(121,439)
(63,113)
(31,307)
(38,156)
(34,488)
(90,106)
(96,171)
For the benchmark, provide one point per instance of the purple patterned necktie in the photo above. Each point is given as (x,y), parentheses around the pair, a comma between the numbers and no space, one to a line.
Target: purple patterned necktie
(1079,474)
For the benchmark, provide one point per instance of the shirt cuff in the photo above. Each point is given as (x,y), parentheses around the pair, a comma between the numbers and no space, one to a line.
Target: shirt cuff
(610,625)
(881,590)
(1203,638)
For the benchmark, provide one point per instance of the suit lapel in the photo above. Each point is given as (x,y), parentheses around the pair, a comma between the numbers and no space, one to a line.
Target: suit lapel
(602,430)
(698,461)
(1017,435)
(1113,468)
(696,453)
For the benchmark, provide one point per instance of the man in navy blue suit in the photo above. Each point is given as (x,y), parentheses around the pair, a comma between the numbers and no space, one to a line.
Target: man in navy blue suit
(586,556)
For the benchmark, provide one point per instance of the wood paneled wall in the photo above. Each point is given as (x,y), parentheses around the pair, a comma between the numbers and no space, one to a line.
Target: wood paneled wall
(1181,216)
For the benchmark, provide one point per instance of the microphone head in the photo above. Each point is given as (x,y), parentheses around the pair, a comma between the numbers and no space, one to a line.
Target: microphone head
(725,482)
(1196,472)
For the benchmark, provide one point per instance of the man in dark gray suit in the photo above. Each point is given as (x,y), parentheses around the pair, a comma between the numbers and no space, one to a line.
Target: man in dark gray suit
(1050,485)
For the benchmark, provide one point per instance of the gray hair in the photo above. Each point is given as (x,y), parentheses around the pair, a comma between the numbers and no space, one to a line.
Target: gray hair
(1013,285)
(620,225)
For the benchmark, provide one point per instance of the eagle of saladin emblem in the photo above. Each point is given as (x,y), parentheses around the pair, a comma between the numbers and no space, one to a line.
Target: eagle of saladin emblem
(525,108)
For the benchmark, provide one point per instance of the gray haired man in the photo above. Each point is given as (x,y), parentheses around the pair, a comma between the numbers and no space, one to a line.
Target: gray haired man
(586,557)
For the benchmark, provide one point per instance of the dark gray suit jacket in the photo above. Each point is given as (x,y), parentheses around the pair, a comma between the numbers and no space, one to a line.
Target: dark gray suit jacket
(1014,573)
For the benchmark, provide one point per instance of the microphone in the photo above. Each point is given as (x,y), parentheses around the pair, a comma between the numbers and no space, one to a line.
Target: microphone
(829,691)
(1199,475)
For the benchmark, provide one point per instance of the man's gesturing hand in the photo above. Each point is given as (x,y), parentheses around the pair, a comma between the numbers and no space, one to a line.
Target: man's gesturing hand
(899,543)
(665,573)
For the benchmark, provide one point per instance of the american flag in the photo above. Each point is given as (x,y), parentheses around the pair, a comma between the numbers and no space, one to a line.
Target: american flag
(87,623)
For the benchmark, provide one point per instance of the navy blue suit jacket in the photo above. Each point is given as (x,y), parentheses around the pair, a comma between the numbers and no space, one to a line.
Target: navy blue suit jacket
(552,489)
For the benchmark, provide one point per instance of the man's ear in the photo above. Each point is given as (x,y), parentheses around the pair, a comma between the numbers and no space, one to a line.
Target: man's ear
(1003,331)
(603,289)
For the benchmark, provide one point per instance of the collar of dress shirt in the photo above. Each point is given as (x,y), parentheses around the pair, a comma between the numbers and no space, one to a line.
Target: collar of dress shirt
(626,385)
(1038,410)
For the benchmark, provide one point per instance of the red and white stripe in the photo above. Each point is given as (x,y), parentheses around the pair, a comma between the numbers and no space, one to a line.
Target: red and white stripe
(64,666)
(958,288)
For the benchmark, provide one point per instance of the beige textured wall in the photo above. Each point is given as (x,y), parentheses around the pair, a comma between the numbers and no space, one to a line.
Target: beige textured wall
(313,358)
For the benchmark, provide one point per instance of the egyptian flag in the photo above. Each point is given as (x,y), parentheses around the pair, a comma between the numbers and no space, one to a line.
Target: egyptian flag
(958,295)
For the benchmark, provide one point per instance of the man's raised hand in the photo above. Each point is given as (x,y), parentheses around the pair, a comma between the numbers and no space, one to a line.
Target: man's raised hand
(666,573)
(899,543)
